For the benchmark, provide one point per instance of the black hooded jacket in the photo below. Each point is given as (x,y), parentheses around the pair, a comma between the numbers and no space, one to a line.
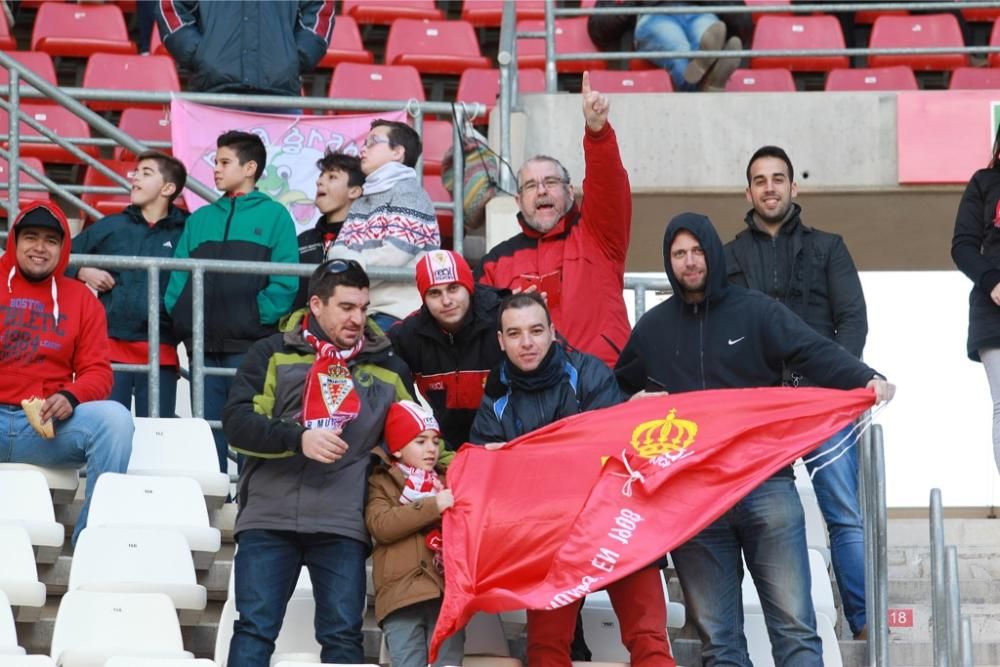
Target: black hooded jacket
(735,338)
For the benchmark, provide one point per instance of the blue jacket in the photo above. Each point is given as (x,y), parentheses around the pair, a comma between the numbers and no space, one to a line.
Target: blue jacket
(127,234)
(246,47)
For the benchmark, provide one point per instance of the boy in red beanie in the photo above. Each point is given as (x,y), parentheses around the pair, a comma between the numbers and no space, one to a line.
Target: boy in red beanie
(406,497)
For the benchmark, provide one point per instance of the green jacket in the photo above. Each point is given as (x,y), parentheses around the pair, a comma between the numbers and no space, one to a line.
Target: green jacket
(279,487)
(239,308)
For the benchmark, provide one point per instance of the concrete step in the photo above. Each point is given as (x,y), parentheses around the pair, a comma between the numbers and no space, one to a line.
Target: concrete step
(975,562)
(960,532)
(917,591)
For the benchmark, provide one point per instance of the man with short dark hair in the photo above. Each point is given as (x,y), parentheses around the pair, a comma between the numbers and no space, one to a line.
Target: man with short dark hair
(574,255)
(450,344)
(393,223)
(811,272)
(538,382)
(713,335)
(307,407)
(54,348)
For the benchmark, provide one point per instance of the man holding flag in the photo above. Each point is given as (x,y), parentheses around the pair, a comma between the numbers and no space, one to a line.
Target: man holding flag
(713,335)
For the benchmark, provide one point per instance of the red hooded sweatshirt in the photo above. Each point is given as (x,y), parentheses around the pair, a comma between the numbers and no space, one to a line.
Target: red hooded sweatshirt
(53,332)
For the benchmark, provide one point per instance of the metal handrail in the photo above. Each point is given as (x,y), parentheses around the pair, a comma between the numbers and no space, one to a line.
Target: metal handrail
(872,492)
(939,601)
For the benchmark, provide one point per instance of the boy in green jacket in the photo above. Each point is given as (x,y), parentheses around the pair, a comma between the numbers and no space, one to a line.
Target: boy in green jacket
(247,225)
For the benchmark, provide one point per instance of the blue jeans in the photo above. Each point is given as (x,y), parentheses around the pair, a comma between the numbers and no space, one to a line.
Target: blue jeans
(408,635)
(768,526)
(98,434)
(267,567)
(836,488)
(216,394)
(674,32)
(128,383)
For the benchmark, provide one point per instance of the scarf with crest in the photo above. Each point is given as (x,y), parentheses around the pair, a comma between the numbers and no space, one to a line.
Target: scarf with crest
(329,400)
(423,484)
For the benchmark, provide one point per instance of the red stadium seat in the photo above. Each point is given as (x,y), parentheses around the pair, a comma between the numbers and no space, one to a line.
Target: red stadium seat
(928,30)
(571,37)
(59,120)
(761,81)
(483,86)
(345,44)
(974,78)
(108,204)
(488,13)
(7,42)
(376,82)
(80,30)
(798,32)
(436,140)
(156,44)
(867,18)
(446,219)
(384,12)
(981,15)
(876,78)
(145,125)
(434,47)
(36,61)
(127,72)
(757,15)
(646,81)
(24,197)
(994,58)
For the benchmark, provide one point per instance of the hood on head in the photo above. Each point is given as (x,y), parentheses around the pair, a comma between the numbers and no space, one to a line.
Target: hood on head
(8,260)
(715,259)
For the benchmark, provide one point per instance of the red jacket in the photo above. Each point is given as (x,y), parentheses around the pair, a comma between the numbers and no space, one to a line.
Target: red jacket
(582,258)
(39,356)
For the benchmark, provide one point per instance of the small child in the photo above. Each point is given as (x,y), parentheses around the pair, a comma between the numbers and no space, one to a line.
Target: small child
(406,497)
(151,226)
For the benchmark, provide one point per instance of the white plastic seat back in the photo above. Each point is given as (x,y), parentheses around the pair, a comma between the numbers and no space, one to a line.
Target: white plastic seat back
(26,661)
(297,639)
(157,662)
(136,560)
(8,633)
(759,644)
(62,482)
(25,502)
(94,627)
(171,502)
(179,447)
(18,574)
(484,636)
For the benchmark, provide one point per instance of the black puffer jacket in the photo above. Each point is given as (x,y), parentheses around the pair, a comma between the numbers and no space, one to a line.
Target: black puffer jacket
(246,46)
(808,270)
(975,247)
(451,370)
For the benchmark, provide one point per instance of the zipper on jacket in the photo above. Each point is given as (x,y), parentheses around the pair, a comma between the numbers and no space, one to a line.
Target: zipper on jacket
(701,350)
(229,218)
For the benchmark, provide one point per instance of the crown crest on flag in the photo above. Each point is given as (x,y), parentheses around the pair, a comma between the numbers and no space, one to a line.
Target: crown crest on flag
(660,436)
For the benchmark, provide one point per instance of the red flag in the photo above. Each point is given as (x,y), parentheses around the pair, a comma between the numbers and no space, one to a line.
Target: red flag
(583,502)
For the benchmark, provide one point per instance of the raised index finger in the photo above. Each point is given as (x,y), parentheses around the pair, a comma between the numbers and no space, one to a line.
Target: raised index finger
(585,86)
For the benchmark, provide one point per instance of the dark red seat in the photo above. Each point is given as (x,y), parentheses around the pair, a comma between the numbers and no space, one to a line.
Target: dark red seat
(436,141)
(868,17)
(571,37)
(129,72)
(756,16)
(927,30)
(798,32)
(7,42)
(108,204)
(59,120)
(345,44)
(994,58)
(488,13)
(483,86)
(144,125)
(36,61)
(874,78)
(981,15)
(24,197)
(376,82)
(645,81)
(761,81)
(434,47)
(974,78)
(384,12)
(80,30)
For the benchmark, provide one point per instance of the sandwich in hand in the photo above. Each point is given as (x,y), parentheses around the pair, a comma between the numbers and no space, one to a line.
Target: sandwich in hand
(33,411)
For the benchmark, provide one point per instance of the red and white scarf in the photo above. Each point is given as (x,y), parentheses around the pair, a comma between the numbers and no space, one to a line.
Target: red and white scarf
(329,400)
(419,483)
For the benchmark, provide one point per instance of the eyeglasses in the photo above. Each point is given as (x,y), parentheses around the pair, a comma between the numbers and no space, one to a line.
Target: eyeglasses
(549,183)
(341,265)
(375,139)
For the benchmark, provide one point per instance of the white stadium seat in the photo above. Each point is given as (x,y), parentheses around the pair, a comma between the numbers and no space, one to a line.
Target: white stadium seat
(25,502)
(26,661)
(759,645)
(138,560)
(144,502)
(157,662)
(62,482)
(179,447)
(8,634)
(91,628)
(18,574)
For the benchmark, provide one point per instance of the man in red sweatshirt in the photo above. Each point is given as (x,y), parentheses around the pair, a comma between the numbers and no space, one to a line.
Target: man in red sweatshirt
(54,346)
(573,255)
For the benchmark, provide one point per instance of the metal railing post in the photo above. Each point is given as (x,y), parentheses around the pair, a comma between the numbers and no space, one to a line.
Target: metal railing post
(640,301)
(880,585)
(867,496)
(507,62)
(458,182)
(153,335)
(14,166)
(198,342)
(551,82)
(967,657)
(938,592)
(418,126)
(954,605)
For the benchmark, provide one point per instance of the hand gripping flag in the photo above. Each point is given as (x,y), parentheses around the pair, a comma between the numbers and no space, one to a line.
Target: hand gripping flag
(571,507)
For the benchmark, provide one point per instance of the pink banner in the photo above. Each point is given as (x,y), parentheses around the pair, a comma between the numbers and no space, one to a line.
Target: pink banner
(294,144)
(944,136)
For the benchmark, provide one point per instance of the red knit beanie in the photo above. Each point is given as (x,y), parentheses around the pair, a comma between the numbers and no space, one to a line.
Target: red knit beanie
(443,267)
(405,421)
